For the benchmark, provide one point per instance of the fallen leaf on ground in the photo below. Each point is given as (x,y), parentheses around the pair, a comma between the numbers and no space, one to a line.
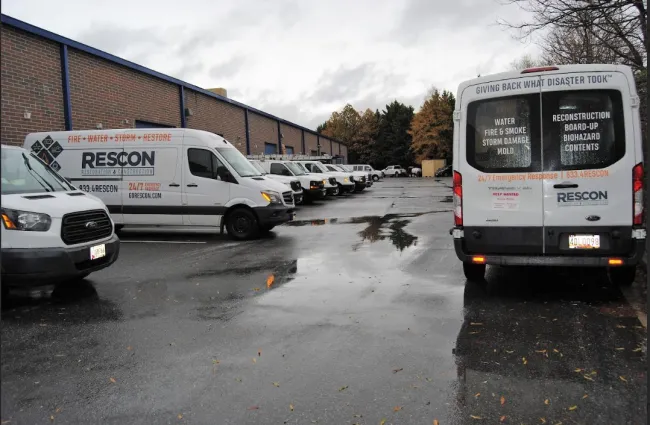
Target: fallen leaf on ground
(476,324)
(435,422)
(524,360)
(398,370)
(555,350)
(343,388)
(428,379)
(578,370)
(477,394)
(622,378)
(382,422)
(619,349)
(129,348)
(475,417)
(254,408)
(112,380)
(214,361)
(584,396)
(5,422)
(270,280)
(593,373)
(636,350)
(542,420)
(58,409)
(573,407)
(475,332)
(259,353)
(546,402)
(397,408)
(588,378)
(357,416)
(276,384)
(180,416)
(503,400)
(291,407)
(238,379)
(52,418)
(256,289)
(509,352)
(540,351)
(254,360)
(502,418)
(620,326)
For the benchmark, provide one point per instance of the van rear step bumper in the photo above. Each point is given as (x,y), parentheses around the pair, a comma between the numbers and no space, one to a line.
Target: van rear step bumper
(560,260)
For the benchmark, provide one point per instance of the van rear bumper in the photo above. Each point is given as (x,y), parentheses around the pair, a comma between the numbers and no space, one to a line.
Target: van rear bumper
(631,259)
(45,266)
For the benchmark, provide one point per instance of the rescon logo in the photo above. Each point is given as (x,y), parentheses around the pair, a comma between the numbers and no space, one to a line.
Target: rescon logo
(583,198)
(119,159)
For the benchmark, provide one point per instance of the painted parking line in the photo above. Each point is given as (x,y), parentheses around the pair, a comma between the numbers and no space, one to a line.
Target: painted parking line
(169,242)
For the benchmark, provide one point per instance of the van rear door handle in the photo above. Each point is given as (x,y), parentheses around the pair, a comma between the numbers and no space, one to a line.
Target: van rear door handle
(192,185)
(565,186)
(174,185)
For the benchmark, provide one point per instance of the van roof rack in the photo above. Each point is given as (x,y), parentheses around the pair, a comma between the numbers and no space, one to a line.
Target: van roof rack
(325,158)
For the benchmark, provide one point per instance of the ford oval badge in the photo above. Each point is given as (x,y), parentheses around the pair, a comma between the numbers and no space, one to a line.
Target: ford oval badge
(91,225)
(593,218)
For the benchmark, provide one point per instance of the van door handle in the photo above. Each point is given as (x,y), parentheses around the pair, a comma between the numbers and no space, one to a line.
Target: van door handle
(192,185)
(565,186)
(174,184)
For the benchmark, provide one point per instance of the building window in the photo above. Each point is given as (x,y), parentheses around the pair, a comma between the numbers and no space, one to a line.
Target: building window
(289,150)
(148,124)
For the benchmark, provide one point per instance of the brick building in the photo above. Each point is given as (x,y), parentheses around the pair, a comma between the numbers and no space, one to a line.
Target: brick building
(50,83)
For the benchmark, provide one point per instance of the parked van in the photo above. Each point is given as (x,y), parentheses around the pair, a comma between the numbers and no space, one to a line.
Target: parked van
(292,182)
(344,180)
(548,170)
(312,187)
(375,174)
(51,232)
(168,178)
(362,180)
(329,181)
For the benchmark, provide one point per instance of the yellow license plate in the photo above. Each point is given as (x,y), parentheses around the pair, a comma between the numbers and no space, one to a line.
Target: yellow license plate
(584,241)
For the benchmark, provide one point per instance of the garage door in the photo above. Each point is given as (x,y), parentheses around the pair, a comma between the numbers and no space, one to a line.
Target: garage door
(270,148)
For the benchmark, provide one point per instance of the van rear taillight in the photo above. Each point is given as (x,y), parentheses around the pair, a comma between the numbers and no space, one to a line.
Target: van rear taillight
(540,69)
(458,199)
(637,192)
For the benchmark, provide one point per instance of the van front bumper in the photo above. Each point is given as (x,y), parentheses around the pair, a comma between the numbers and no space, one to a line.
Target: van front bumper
(273,215)
(314,193)
(46,266)
(631,259)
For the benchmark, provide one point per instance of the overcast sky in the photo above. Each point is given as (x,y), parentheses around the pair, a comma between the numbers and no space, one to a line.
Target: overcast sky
(298,59)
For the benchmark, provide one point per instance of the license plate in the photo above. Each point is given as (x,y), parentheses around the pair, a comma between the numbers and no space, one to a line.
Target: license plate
(98,251)
(584,241)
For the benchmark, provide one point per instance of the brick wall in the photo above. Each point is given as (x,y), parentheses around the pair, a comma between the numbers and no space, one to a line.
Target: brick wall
(216,117)
(310,143)
(107,93)
(31,81)
(344,153)
(292,136)
(262,130)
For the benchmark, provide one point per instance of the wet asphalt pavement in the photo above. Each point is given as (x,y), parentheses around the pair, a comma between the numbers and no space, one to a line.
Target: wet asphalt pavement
(356,313)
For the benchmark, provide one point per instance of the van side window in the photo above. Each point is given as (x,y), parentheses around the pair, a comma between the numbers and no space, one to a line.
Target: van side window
(583,129)
(205,164)
(280,169)
(503,134)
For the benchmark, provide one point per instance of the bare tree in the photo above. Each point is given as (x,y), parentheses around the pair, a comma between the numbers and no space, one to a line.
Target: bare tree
(612,30)
(526,61)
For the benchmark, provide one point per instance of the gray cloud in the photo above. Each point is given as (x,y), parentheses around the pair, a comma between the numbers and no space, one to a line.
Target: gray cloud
(228,68)
(342,85)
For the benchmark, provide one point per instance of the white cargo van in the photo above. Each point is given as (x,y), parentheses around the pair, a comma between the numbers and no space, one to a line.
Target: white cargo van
(292,182)
(51,232)
(314,186)
(344,180)
(168,178)
(548,170)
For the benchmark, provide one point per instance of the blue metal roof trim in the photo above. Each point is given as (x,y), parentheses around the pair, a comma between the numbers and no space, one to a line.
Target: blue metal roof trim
(16,23)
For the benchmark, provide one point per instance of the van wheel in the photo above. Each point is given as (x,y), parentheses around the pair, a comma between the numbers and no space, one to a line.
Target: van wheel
(474,272)
(375,178)
(242,224)
(622,276)
(266,229)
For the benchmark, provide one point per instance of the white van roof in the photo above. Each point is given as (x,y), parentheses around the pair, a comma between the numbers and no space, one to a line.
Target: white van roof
(561,69)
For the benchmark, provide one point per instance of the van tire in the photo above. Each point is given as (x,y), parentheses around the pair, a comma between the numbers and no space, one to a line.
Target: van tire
(242,224)
(341,190)
(375,178)
(474,272)
(266,229)
(622,276)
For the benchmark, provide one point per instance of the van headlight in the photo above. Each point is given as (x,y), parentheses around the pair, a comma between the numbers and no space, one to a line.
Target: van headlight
(25,220)
(345,180)
(272,197)
(325,182)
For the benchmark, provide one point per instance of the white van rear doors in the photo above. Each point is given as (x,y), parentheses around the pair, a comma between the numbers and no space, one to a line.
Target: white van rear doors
(205,195)
(499,157)
(589,154)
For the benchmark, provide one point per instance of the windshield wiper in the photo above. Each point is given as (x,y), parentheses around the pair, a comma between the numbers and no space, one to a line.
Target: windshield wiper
(40,178)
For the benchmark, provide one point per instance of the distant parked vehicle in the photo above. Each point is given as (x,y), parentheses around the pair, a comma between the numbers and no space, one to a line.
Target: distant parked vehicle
(394,171)
(416,172)
(375,174)
(444,171)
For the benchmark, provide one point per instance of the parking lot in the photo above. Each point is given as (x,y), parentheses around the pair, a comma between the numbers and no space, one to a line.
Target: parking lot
(356,312)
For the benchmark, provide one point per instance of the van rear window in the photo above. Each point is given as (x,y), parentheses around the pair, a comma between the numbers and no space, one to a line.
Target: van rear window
(503,134)
(583,129)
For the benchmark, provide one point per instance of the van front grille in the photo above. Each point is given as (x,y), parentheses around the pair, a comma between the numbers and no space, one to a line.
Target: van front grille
(85,226)
(288,197)
(295,186)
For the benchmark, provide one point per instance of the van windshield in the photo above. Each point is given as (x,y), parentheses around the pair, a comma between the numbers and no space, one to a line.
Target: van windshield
(23,172)
(295,169)
(259,168)
(242,166)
